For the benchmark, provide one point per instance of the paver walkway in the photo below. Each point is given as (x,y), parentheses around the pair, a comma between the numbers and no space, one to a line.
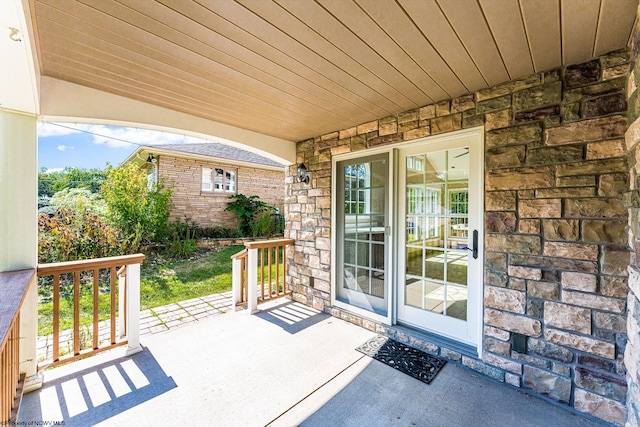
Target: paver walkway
(160,319)
(152,321)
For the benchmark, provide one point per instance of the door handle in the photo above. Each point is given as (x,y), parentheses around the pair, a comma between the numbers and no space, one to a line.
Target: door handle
(474,247)
(475,244)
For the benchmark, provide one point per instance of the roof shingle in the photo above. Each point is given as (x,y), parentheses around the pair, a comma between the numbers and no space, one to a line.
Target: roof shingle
(221,151)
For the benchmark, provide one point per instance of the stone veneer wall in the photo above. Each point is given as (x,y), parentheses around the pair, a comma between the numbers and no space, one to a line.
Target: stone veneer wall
(208,209)
(556,250)
(632,353)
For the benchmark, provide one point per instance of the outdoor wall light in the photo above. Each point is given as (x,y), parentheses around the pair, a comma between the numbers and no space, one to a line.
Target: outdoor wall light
(151,159)
(303,175)
(14,34)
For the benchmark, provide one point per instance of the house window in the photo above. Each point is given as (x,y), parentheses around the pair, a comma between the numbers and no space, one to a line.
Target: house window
(219,180)
(423,206)
(459,208)
(206,179)
(459,201)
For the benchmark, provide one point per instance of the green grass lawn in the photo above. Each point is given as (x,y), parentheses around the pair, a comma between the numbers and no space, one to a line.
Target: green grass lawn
(168,282)
(163,281)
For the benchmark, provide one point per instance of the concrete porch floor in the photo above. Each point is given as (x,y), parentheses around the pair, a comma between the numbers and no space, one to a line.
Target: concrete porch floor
(289,365)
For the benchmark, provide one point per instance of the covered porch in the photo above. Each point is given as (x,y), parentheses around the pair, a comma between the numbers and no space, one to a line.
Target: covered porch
(549,87)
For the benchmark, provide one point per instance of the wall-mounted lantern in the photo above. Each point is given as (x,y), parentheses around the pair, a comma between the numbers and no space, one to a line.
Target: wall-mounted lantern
(303,175)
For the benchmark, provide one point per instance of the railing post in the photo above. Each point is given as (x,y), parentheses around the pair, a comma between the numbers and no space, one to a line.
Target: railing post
(252,281)
(236,282)
(133,309)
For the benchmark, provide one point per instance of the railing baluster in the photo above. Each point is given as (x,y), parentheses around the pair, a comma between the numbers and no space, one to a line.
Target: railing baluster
(3,389)
(56,317)
(96,307)
(122,300)
(269,266)
(11,362)
(123,292)
(4,382)
(262,296)
(112,289)
(76,312)
(12,359)
(244,279)
(278,271)
(15,354)
(284,270)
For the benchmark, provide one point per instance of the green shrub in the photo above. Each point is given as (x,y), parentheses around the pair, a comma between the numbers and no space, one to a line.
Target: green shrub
(219,233)
(248,209)
(263,224)
(141,213)
(183,248)
(185,230)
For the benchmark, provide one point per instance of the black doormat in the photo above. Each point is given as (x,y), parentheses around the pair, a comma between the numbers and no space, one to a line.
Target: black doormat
(411,361)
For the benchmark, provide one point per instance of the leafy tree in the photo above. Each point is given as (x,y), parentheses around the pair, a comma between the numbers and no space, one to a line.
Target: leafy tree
(44,205)
(46,181)
(50,183)
(78,200)
(142,213)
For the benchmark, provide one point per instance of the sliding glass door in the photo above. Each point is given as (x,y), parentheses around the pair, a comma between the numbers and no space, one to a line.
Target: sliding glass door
(362,206)
(408,235)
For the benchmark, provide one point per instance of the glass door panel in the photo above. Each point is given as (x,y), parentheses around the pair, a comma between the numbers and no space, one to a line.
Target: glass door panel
(362,205)
(437,201)
(434,274)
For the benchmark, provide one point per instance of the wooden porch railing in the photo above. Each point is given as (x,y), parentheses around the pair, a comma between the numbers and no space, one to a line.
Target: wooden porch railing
(13,288)
(83,278)
(259,272)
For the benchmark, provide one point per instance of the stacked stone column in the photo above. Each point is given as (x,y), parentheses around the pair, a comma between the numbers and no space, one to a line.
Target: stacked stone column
(632,353)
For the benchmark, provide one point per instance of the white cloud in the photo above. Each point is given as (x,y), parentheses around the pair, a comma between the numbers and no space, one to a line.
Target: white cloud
(52,129)
(114,136)
(65,147)
(53,170)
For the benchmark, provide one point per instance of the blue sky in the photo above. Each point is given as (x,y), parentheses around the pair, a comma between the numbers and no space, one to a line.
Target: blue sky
(88,146)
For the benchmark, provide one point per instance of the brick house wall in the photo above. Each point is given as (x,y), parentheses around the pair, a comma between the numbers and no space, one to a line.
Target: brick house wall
(556,220)
(207,209)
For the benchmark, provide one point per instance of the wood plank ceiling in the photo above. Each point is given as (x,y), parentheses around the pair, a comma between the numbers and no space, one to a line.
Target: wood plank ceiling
(296,69)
